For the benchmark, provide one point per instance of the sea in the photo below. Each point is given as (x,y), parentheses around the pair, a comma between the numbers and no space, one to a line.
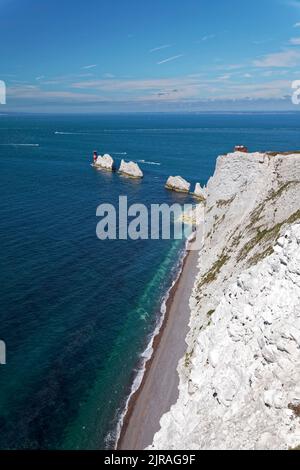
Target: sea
(77,313)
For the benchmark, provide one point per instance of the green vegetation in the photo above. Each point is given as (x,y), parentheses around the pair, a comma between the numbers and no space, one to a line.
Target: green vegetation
(260,256)
(210,313)
(273,196)
(217,222)
(211,275)
(277,193)
(274,154)
(266,235)
(188,359)
(208,235)
(225,202)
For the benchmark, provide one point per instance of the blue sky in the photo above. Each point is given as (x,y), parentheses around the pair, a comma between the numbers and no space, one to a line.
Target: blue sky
(163,55)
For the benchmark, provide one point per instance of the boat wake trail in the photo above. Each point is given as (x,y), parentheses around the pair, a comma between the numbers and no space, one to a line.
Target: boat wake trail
(20,145)
(148,163)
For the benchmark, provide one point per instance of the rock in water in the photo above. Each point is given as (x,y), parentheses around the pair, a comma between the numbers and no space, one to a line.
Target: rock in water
(130,169)
(106,162)
(178,184)
(200,193)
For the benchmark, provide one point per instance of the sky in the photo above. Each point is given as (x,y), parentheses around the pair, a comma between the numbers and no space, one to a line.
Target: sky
(149,56)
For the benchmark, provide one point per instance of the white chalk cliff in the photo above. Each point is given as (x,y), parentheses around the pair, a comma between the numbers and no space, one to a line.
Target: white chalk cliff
(240,377)
(130,169)
(178,184)
(106,162)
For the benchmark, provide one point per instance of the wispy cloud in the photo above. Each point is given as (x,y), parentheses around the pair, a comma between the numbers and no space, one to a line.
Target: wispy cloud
(259,42)
(159,48)
(295,41)
(40,77)
(208,37)
(288,58)
(34,93)
(297,25)
(170,59)
(293,3)
(87,67)
(115,85)
(176,91)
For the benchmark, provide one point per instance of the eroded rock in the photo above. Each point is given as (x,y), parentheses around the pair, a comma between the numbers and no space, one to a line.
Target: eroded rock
(178,184)
(130,169)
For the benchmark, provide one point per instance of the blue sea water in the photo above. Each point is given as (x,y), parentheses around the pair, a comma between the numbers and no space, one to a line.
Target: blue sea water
(77,312)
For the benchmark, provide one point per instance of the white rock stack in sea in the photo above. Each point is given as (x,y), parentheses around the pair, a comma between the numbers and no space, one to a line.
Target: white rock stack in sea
(130,169)
(178,184)
(240,377)
(199,192)
(106,162)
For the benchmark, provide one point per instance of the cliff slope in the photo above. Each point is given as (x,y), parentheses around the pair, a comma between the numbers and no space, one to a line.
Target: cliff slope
(239,379)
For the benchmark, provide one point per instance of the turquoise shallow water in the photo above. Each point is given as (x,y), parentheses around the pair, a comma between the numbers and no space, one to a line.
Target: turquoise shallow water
(77,313)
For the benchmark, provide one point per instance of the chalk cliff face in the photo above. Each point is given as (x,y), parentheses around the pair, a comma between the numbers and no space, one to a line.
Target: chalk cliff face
(239,380)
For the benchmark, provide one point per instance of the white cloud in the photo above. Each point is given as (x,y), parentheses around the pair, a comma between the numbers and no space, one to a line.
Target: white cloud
(297,25)
(34,93)
(288,58)
(155,85)
(86,67)
(295,41)
(270,73)
(186,88)
(169,59)
(159,48)
(209,36)
(224,77)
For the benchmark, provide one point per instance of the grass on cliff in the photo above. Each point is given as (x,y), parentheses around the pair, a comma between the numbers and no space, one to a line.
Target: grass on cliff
(212,274)
(272,197)
(274,154)
(266,235)
(188,359)
(225,202)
